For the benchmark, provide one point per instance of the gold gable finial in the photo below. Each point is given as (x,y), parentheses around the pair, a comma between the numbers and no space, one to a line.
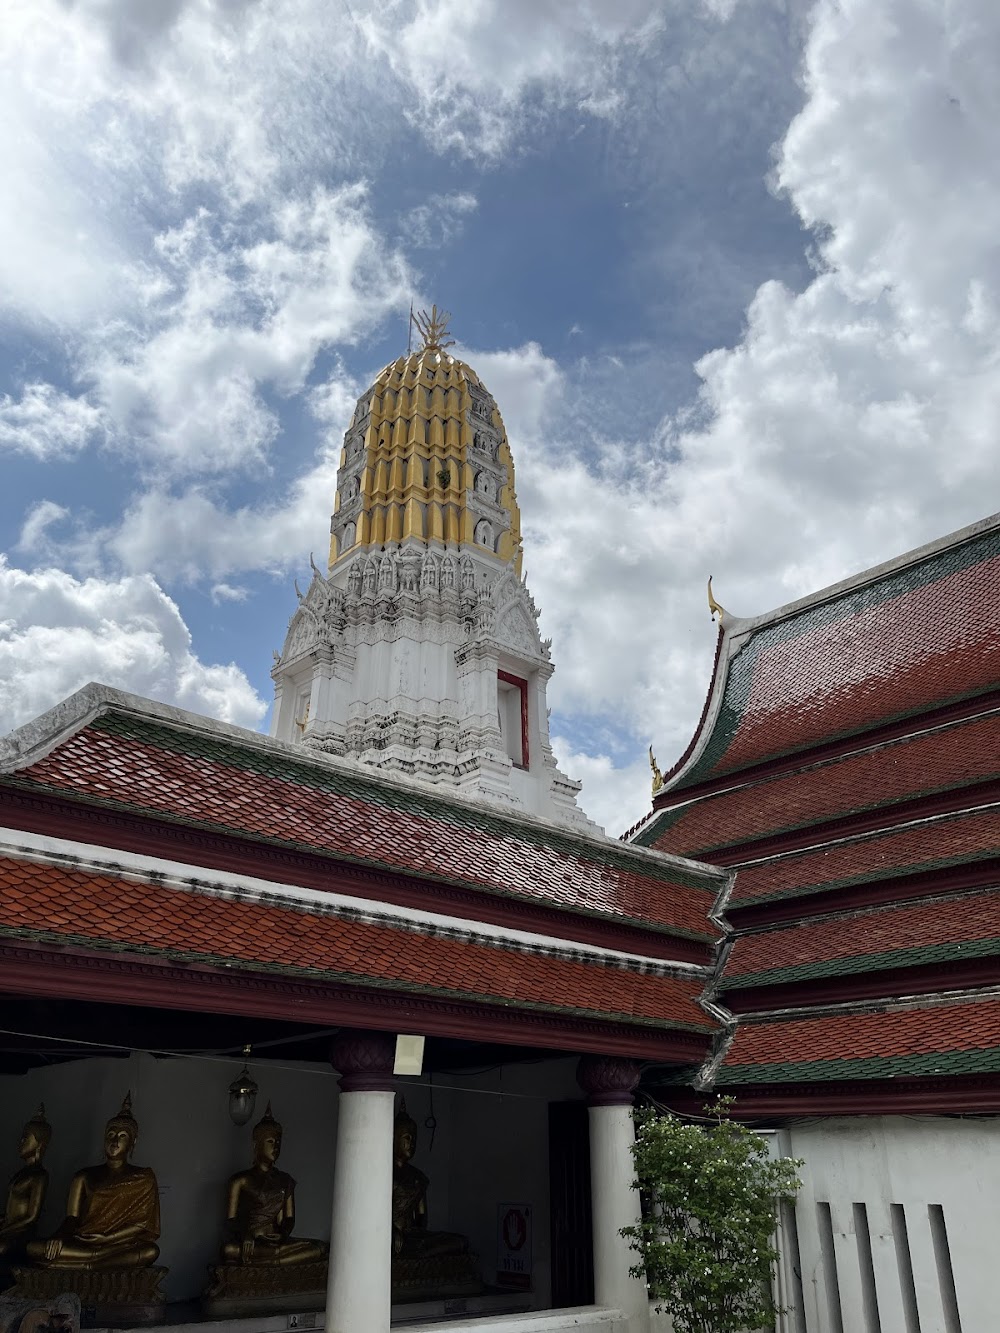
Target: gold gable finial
(433,328)
(713,605)
(657,775)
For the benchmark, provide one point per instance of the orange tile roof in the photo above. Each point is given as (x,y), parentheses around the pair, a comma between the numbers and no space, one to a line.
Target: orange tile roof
(867,1038)
(935,843)
(935,761)
(891,644)
(912,930)
(215,782)
(104,911)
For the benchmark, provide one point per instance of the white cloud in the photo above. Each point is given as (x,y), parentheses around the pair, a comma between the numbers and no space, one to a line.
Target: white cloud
(854,420)
(225,592)
(48,424)
(527,384)
(192,536)
(181,225)
(473,66)
(614,797)
(238,316)
(58,633)
(43,515)
(438,222)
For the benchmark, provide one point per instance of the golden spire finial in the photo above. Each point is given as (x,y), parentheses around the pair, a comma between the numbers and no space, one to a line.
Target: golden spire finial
(433,328)
(713,605)
(657,775)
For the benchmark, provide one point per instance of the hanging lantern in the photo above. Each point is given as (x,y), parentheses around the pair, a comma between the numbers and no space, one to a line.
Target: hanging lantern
(242,1093)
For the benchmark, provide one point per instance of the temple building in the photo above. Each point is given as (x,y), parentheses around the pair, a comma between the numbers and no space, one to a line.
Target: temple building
(352,1017)
(845,772)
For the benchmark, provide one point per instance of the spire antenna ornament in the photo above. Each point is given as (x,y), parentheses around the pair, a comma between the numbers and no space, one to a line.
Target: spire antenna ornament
(433,328)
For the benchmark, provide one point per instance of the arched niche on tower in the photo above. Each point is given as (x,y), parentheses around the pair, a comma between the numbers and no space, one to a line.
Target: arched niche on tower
(483,534)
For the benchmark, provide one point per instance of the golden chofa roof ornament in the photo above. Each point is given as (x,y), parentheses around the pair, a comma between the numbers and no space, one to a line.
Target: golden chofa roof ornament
(714,607)
(433,328)
(657,775)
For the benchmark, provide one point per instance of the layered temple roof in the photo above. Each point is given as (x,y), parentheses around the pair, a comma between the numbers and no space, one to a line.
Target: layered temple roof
(846,768)
(914,635)
(242,783)
(244,855)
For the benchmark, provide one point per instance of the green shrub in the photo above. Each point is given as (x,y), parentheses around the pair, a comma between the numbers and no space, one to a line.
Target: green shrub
(710,1194)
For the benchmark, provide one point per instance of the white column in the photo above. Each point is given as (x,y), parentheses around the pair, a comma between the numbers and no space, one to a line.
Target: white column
(614,1203)
(359,1282)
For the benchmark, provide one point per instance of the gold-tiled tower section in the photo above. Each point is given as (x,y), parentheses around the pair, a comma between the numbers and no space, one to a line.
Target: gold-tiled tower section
(426,457)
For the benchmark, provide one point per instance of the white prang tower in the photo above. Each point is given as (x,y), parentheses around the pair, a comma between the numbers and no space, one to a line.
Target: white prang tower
(419,652)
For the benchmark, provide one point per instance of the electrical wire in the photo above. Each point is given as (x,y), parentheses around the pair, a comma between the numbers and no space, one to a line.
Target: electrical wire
(80,1042)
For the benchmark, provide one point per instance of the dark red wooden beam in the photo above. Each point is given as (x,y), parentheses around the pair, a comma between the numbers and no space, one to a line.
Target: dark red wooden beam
(39,970)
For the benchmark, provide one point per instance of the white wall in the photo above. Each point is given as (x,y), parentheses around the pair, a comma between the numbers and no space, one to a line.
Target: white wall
(915,1163)
(185,1135)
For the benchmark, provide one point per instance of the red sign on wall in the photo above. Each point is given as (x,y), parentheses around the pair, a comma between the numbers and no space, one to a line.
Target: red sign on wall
(514,1245)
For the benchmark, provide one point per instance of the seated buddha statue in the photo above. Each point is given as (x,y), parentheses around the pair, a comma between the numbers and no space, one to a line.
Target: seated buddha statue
(26,1191)
(260,1208)
(113,1211)
(410,1236)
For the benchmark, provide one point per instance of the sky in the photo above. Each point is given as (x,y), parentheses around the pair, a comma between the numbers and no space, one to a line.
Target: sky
(731,269)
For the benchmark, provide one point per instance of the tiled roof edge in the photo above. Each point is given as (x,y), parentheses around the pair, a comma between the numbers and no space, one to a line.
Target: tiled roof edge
(732,637)
(853,964)
(961,995)
(271,896)
(42,935)
(737,631)
(33,741)
(942,1064)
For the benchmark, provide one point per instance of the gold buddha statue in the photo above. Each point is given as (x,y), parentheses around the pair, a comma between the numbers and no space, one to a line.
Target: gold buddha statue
(260,1208)
(424,1262)
(26,1191)
(113,1211)
(263,1266)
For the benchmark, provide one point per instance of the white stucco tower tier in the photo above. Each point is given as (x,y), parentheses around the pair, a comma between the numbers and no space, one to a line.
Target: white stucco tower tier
(418,652)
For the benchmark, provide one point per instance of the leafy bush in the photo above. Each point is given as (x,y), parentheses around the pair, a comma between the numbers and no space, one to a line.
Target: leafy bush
(710,1194)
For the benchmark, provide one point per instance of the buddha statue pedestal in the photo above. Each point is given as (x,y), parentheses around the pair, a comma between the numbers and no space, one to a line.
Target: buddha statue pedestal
(237,1290)
(265,1269)
(425,1264)
(430,1277)
(109,1297)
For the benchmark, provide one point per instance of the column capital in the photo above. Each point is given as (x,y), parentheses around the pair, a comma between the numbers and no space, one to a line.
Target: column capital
(608,1080)
(364,1060)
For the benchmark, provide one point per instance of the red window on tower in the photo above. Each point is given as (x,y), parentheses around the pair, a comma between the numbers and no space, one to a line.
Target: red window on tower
(512,713)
